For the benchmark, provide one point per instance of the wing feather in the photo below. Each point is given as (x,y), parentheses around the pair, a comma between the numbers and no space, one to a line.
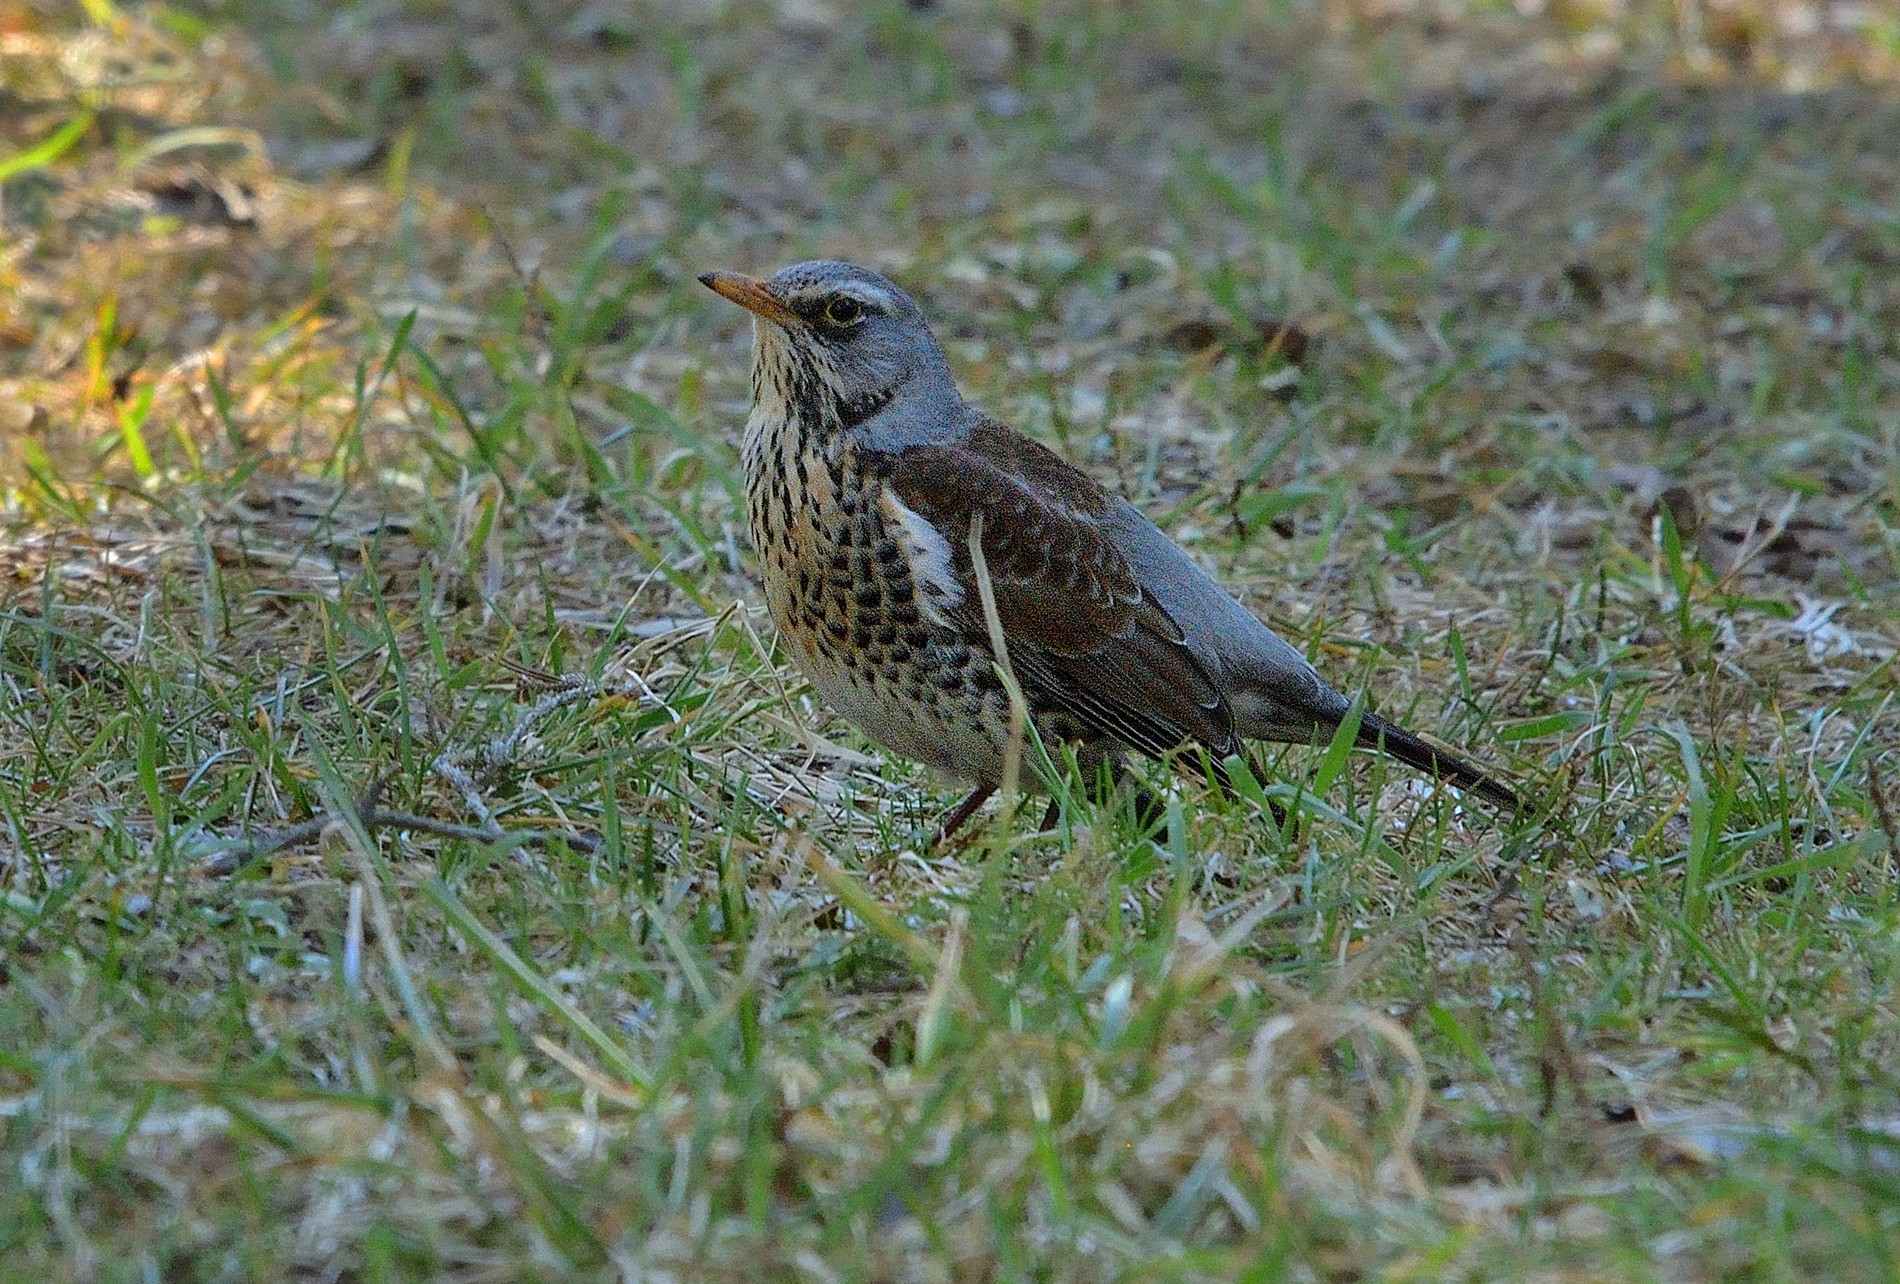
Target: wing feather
(1084,637)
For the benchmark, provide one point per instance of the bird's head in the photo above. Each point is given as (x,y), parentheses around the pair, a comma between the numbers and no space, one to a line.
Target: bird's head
(839,345)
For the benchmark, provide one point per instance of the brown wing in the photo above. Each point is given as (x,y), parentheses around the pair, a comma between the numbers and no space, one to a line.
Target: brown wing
(1083,637)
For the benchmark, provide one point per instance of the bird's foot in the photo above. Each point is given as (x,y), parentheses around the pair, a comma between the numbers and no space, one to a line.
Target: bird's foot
(959,815)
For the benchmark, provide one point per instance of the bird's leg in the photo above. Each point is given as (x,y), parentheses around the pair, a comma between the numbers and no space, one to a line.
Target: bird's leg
(1105,776)
(1149,807)
(954,819)
(1105,769)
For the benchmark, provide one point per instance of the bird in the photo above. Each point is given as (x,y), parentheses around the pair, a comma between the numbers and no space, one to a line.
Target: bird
(872,486)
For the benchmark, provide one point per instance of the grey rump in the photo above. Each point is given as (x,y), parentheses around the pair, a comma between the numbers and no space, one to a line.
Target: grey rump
(866,472)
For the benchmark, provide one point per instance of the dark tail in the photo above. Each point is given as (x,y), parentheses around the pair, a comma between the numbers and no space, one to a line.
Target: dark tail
(1376,733)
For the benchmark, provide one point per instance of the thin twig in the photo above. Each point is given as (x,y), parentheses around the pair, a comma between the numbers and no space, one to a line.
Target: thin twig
(452,765)
(235,859)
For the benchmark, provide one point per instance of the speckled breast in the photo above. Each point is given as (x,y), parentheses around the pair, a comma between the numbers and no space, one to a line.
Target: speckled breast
(839,586)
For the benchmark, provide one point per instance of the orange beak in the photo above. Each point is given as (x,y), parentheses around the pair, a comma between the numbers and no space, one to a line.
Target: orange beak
(751,295)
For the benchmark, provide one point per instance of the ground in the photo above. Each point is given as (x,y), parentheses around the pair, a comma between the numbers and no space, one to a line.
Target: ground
(418,864)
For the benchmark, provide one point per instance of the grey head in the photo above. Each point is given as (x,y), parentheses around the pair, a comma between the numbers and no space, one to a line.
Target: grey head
(841,348)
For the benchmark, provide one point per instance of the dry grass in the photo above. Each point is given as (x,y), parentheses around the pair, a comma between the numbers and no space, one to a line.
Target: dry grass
(1536,372)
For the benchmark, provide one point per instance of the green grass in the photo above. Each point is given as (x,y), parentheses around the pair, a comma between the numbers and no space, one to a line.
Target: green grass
(1587,460)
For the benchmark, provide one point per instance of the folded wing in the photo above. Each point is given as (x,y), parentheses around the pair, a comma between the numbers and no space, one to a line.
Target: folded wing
(1084,638)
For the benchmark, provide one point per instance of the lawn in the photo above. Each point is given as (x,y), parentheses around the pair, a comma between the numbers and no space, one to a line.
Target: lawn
(418,863)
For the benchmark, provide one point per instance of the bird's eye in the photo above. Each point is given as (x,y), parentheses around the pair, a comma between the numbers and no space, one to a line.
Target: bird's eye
(842,309)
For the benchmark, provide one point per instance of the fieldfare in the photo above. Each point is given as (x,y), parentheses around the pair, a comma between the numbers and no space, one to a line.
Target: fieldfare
(867,477)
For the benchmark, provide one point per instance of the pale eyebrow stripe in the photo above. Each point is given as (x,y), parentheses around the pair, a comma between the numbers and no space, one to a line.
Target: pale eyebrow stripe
(864,292)
(871,296)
